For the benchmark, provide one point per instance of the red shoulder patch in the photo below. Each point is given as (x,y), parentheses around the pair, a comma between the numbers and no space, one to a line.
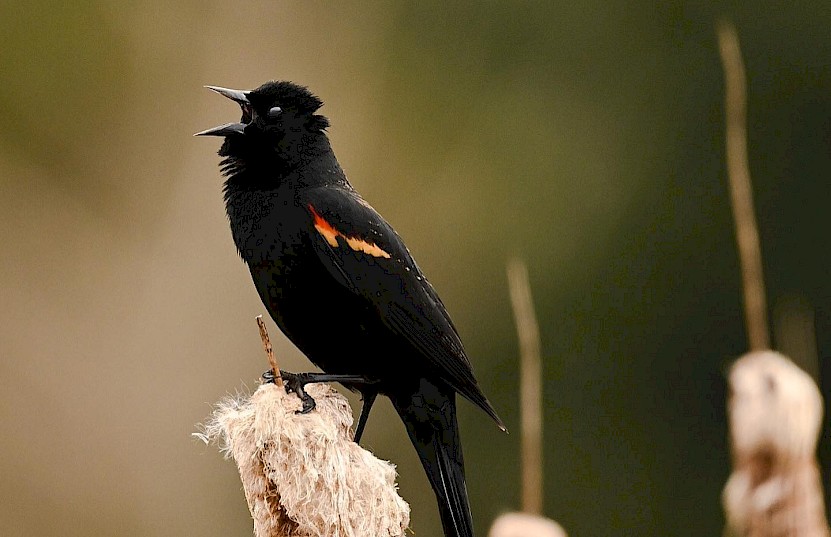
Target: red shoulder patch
(331,234)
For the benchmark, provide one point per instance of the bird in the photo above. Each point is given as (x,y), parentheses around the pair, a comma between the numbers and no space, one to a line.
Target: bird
(340,283)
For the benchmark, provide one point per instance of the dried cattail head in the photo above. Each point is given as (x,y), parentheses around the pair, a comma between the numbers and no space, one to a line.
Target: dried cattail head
(775,413)
(303,475)
(774,406)
(525,525)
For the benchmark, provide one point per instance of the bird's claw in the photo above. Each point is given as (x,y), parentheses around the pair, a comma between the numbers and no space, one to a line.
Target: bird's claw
(295,383)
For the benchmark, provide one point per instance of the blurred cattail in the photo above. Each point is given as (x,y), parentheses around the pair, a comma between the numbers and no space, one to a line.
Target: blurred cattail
(530,522)
(302,473)
(775,417)
(775,408)
(525,525)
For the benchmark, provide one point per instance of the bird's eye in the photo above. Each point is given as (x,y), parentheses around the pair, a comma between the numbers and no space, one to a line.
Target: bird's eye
(274,112)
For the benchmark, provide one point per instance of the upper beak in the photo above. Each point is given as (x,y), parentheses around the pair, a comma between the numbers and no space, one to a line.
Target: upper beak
(235,95)
(228,129)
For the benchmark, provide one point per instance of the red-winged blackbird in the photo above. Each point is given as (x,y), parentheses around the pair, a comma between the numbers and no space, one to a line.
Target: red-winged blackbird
(340,283)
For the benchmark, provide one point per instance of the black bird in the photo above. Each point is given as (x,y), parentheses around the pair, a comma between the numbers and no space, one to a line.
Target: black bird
(339,282)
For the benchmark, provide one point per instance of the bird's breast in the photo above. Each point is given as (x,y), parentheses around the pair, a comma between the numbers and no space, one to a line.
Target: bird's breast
(265,226)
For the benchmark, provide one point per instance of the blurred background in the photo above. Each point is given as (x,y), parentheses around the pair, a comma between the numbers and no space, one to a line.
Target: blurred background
(585,137)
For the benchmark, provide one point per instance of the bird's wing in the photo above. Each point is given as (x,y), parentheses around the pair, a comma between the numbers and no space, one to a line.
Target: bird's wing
(362,252)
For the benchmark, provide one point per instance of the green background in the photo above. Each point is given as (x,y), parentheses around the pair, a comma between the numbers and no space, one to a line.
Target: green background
(585,137)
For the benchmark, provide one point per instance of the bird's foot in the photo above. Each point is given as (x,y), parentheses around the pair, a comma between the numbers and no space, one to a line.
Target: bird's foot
(296,383)
(293,382)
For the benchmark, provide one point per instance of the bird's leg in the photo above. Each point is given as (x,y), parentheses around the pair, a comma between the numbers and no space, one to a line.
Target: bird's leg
(369,398)
(296,382)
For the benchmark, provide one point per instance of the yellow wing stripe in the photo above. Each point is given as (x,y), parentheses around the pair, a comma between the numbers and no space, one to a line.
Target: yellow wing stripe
(366,247)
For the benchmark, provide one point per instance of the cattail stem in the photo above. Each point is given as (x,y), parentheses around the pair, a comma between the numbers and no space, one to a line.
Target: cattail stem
(530,386)
(741,192)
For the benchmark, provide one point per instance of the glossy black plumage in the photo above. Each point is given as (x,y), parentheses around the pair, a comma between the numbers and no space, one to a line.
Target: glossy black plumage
(340,283)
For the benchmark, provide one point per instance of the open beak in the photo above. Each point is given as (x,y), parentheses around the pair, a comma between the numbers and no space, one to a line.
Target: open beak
(230,129)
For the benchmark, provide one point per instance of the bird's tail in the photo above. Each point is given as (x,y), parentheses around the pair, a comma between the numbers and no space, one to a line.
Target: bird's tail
(430,417)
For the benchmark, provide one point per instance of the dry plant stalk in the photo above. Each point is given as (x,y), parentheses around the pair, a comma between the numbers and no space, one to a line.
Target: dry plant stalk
(530,522)
(269,351)
(302,474)
(530,386)
(741,193)
(775,414)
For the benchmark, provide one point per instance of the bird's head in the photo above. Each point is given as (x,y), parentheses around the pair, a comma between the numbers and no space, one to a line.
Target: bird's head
(278,122)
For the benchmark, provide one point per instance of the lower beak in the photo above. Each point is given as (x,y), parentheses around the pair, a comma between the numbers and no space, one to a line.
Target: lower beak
(228,129)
